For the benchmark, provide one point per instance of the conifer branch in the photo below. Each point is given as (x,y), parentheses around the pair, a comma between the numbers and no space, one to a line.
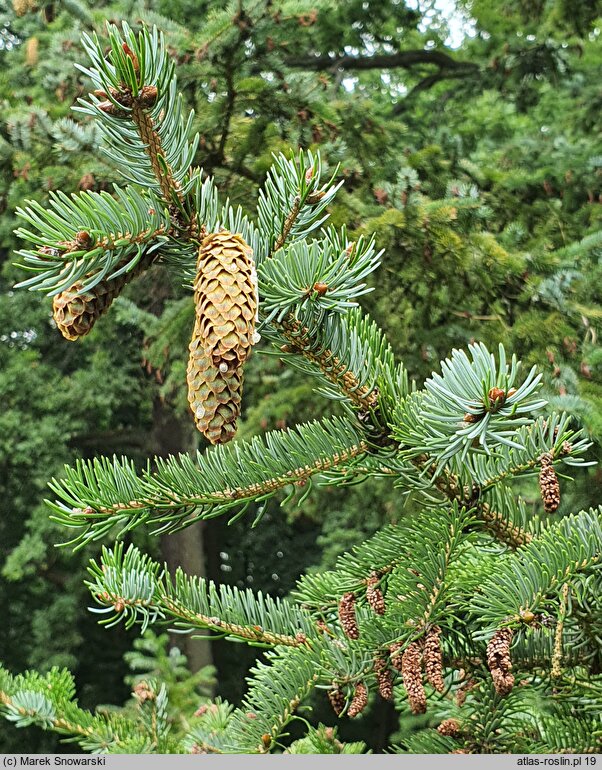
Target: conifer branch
(136,85)
(132,588)
(527,580)
(275,692)
(96,495)
(90,237)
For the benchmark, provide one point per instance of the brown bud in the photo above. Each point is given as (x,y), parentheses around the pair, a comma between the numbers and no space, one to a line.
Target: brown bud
(266,740)
(83,241)
(360,700)
(315,197)
(320,288)
(147,96)
(143,692)
(468,417)
(347,616)
(111,109)
(131,55)
(511,392)
(496,394)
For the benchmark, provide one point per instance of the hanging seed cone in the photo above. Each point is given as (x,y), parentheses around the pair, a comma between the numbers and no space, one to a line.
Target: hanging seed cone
(499,662)
(359,701)
(548,484)
(384,678)
(75,312)
(433,659)
(411,672)
(226,303)
(347,616)
(337,699)
(374,596)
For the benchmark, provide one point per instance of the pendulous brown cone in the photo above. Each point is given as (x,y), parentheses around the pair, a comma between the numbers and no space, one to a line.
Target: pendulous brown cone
(548,484)
(411,672)
(337,699)
(433,659)
(359,701)
(75,312)
(374,596)
(499,662)
(347,616)
(225,298)
(384,678)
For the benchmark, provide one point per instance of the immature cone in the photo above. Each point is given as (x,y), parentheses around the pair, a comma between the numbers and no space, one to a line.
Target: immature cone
(337,699)
(374,596)
(360,700)
(75,312)
(347,616)
(396,656)
(498,660)
(433,659)
(548,484)
(411,671)
(225,297)
(384,678)
(449,727)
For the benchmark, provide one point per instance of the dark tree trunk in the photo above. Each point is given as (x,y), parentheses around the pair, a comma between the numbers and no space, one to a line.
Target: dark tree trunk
(183,549)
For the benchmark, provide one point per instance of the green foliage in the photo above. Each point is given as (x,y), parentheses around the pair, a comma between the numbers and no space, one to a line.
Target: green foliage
(486,208)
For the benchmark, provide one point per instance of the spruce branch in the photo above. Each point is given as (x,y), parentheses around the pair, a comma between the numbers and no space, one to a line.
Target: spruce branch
(90,237)
(276,690)
(132,588)
(47,701)
(292,201)
(96,495)
(140,114)
(533,577)
(473,404)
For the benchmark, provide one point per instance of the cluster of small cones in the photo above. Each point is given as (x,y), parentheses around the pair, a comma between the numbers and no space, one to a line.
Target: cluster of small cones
(225,295)
(424,652)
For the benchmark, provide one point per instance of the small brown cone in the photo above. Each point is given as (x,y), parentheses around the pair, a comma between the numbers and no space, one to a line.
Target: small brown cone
(548,484)
(433,659)
(384,678)
(498,660)
(347,616)
(411,671)
(337,699)
(449,727)
(396,656)
(226,302)
(75,312)
(374,596)
(360,700)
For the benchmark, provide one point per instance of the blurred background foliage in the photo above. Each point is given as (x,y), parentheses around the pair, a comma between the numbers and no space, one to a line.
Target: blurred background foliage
(468,140)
